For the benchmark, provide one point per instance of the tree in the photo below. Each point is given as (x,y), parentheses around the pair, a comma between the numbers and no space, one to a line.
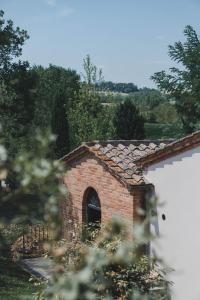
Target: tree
(146,100)
(165,113)
(91,75)
(11,42)
(184,83)
(88,118)
(17,86)
(127,121)
(17,108)
(55,94)
(60,128)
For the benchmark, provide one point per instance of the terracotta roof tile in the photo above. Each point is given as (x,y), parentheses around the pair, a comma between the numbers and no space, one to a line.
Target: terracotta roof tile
(121,157)
(125,154)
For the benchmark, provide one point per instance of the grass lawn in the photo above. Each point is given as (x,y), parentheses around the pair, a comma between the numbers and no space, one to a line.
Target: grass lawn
(14,282)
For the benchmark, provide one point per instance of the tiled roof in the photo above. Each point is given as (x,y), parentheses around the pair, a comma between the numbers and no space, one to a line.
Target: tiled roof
(174,148)
(121,156)
(126,159)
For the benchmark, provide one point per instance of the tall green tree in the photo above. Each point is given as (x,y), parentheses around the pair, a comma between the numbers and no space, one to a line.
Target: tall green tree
(56,91)
(89,120)
(17,112)
(128,123)
(184,83)
(17,86)
(91,74)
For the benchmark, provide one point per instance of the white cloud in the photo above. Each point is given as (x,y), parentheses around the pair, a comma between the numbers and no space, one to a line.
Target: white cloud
(67,11)
(51,2)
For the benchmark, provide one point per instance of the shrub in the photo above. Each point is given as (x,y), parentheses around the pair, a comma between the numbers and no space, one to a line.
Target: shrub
(109,267)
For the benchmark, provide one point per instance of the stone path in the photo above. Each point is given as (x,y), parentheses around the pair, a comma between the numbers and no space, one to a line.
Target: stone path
(40,267)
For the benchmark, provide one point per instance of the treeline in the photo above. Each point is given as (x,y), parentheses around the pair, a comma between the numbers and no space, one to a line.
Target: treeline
(117,87)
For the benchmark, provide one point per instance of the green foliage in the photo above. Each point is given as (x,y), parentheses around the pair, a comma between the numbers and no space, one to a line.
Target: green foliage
(56,92)
(152,105)
(147,97)
(107,268)
(163,131)
(17,82)
(92,75)
(147,100)
(9,235)
(112,98)
(165,113)
(128,122)
(32,97)
(36,174)
(88,119)
(184,83)
(15,283)
(17,107)
(11,42)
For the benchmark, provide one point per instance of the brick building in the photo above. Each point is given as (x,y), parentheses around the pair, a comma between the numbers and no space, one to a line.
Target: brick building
(105,179)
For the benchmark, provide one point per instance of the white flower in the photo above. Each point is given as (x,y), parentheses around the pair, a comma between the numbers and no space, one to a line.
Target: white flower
(43,169)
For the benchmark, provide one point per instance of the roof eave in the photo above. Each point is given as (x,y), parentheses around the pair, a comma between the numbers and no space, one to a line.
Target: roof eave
(184,144)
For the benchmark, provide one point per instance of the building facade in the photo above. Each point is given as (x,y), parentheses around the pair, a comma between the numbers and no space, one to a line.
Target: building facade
(104,174)
(112,178)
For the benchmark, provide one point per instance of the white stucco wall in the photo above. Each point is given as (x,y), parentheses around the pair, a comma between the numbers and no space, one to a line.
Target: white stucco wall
(177,184)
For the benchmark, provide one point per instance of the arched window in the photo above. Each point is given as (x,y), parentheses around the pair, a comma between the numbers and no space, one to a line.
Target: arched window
(92,208)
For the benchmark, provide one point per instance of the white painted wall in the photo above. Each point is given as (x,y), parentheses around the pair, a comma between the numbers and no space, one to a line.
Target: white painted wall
(177,184)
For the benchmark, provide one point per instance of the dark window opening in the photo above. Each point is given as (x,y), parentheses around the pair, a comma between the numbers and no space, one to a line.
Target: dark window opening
(93,209)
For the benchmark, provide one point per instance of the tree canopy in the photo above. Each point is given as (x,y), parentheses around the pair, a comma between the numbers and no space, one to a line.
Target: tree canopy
(16,86)
(11,42)
(183,83)
(88,118)
(56,91)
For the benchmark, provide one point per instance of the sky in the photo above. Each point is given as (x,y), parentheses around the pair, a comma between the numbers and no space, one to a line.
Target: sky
(128,39)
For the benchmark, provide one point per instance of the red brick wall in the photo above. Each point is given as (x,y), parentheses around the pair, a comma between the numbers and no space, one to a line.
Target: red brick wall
(114,196)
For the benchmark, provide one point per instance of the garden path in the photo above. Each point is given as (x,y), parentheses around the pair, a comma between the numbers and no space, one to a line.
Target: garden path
(40,267)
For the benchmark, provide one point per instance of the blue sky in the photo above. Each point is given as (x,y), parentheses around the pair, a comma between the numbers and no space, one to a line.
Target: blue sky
(127,38)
